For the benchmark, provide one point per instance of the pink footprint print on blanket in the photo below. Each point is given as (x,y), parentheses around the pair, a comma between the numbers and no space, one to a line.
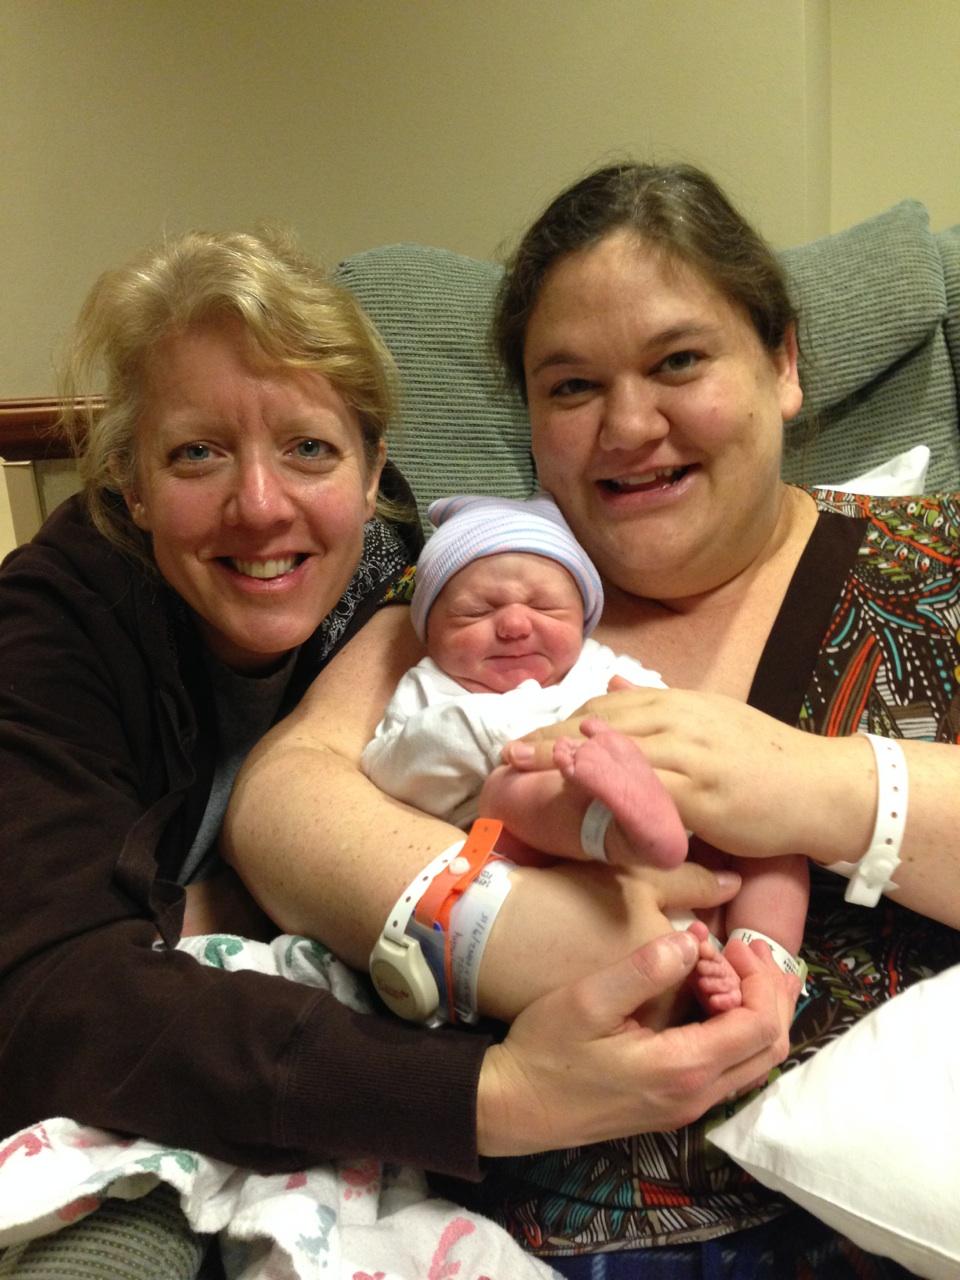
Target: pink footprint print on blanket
(78,1209)
(362,1179)
(32,1142)
(454,1231)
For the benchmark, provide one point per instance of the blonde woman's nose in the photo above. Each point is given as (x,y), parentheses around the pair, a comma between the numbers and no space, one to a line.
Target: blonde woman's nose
(258,496)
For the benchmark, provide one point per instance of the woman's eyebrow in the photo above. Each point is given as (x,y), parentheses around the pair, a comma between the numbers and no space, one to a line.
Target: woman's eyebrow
(175,426)
(556,358)
(680,333)
(684,332)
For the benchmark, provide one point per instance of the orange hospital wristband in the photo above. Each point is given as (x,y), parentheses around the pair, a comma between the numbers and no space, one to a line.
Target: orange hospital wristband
(434,908)
(412,962)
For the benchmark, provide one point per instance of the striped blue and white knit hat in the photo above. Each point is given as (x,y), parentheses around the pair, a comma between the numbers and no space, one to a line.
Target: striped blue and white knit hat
(470,527)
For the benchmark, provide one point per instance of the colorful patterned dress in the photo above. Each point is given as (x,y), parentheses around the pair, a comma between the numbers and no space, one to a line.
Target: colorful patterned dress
(867,638)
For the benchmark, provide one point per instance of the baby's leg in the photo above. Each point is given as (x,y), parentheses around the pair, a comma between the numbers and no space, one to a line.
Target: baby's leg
(545,808)
(773,899)
(611,768)
(714,981)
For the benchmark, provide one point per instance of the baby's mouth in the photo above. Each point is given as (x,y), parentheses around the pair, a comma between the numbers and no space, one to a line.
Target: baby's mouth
(661,478)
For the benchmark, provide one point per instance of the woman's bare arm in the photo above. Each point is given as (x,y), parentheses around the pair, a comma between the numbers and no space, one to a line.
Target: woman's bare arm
(323,852)
(327,854)
(753,786)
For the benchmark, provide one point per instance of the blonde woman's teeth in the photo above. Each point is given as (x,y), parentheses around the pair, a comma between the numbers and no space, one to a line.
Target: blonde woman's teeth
(265,568)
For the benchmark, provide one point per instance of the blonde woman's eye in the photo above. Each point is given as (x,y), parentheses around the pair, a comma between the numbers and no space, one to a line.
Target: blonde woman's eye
(313,449)
(196,451)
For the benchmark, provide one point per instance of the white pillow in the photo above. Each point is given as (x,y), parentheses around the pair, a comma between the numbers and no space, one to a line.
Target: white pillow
(898,477)
(866,1134)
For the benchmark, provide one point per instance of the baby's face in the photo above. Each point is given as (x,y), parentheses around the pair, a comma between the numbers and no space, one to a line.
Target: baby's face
(505,619)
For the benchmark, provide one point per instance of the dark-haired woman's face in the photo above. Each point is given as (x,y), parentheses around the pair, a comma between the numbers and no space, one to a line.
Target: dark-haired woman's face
(657,417)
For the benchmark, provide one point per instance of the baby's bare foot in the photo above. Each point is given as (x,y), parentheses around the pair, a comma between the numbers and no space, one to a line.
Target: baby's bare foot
(715,982)
(611,768)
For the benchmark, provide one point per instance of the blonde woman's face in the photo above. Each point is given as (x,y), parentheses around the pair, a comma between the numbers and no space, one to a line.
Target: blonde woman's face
(254,487)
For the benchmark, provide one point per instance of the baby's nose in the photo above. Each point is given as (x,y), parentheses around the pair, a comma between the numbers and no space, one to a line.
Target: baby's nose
(513,621)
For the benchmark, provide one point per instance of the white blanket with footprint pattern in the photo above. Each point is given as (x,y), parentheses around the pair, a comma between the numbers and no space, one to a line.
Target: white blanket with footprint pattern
(355,1220)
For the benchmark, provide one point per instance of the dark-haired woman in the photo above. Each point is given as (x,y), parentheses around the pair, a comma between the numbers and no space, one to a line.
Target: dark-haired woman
(812,651)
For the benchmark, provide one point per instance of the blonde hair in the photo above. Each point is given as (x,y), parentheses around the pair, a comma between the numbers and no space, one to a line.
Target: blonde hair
(292,314)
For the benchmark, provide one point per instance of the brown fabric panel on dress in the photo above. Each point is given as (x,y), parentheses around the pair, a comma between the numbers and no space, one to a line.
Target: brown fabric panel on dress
(790,655)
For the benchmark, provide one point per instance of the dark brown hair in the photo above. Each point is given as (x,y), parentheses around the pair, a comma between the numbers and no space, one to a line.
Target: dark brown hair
(677,209)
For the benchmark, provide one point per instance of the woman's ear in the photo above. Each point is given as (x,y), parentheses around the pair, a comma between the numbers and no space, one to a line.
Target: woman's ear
(136,507)
(373,478)
(119,477)
(786,359)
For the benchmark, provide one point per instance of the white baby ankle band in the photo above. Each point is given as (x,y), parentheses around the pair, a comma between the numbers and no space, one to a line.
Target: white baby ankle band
(593,830)
(870,876)
(782,958)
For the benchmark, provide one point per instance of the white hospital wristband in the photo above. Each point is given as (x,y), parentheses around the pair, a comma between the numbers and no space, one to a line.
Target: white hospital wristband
(782,958)
(470,923)
(406,964)
(870,876)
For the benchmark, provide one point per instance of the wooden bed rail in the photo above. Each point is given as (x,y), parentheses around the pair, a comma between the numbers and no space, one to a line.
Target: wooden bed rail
(27,431)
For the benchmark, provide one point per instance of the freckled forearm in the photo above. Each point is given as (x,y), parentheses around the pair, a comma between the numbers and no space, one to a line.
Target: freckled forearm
(331,869)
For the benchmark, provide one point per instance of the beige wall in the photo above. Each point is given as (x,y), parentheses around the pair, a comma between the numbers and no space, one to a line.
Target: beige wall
(364,121)
(444,121)
(895,126)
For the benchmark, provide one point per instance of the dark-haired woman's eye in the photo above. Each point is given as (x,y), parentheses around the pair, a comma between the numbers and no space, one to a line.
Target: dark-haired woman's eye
(679,362)
(570,387)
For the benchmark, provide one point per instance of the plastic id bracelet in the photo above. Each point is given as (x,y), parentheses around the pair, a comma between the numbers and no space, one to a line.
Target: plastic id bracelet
(411,963)
(434,908)
(782,958)
(870,876)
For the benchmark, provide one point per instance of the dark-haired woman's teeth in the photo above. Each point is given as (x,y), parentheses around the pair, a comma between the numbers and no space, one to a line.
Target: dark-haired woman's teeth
(646,479)
(265,568)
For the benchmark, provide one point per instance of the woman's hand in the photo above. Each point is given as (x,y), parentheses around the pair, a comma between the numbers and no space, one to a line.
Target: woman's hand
(742,781)
(577,1066)
(561,923)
